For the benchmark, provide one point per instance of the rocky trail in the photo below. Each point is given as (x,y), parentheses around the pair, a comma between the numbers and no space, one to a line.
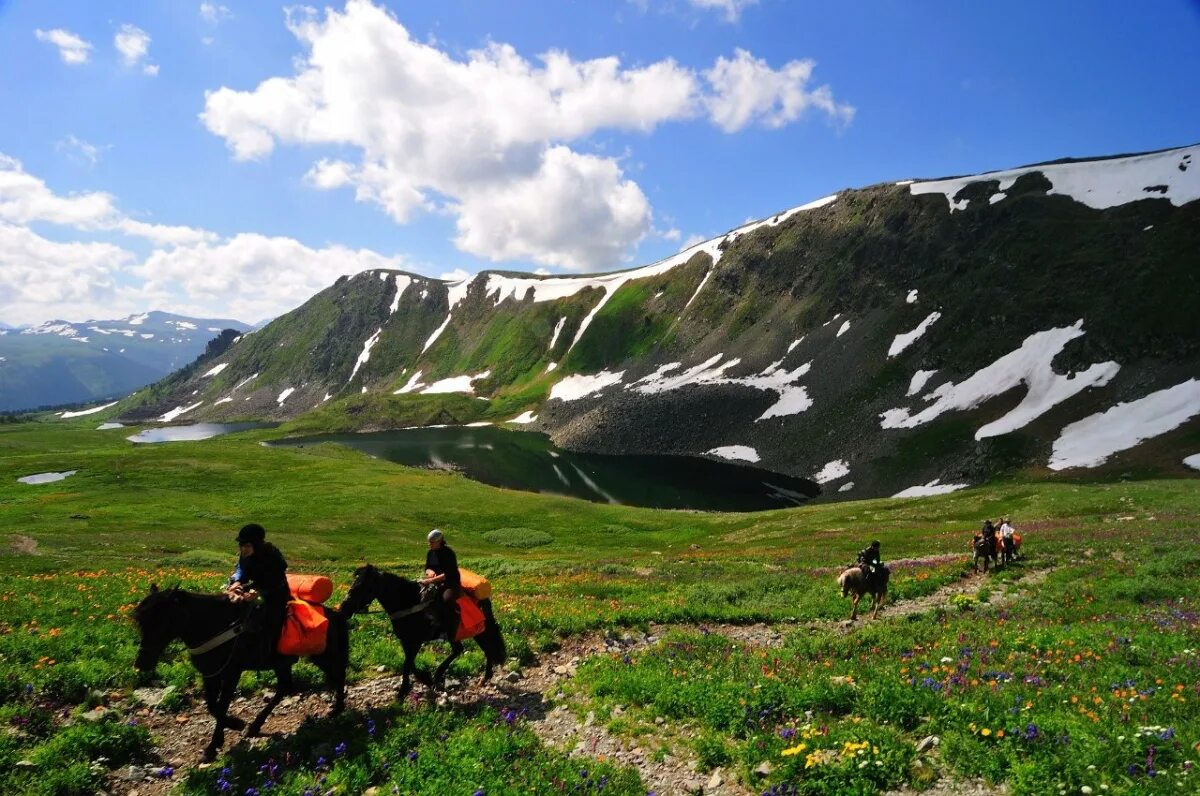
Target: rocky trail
(538,694)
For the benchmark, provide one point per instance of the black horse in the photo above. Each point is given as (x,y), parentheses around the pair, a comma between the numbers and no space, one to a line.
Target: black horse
(983,547)
(221,647)
(414,623)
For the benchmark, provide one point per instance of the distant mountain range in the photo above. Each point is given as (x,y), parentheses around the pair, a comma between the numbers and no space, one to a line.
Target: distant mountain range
(911,337)
(58,363)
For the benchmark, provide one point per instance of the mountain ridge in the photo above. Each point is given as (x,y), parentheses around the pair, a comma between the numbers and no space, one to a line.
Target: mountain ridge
(800,337)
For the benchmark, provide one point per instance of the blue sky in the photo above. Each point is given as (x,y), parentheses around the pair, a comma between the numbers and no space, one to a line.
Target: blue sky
(435,137)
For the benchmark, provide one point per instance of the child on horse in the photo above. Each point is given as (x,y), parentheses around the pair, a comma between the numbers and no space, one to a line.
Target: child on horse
(869,559)
(261,569)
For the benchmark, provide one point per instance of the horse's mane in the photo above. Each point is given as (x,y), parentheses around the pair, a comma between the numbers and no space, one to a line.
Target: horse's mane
(399,583)
(156,598)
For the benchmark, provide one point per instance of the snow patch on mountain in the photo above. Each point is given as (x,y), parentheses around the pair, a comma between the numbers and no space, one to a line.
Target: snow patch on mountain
(1089,442)
(1099,184)
(455,384)
(525,417)
(558,327)
(402,282)
(1029,365)
(365,355)
(283,396)
(92,411)
(743,453)
(919,380)
(911,298)
(906,339)
(215,370)
(1193,461)
(572,388)
(177,411)
(832,471)
(413,384)
(934,487)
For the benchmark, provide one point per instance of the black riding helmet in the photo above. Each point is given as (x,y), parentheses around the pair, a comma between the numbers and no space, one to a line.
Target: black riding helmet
(253,533)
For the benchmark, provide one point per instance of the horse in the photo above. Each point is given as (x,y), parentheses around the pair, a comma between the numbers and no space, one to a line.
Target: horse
(413,624)
(856,581)
(982,548)
(221,647)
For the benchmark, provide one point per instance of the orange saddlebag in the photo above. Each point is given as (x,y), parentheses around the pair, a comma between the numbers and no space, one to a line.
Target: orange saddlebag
(304,630)
(310,588)
(471,621)
(475,584)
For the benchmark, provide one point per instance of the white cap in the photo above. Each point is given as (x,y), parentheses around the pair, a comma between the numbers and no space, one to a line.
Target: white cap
(434,536)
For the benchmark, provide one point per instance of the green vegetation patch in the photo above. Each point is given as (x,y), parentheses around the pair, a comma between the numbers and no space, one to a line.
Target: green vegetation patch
(518,537)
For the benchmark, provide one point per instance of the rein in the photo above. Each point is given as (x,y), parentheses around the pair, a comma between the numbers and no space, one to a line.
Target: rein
(218,640)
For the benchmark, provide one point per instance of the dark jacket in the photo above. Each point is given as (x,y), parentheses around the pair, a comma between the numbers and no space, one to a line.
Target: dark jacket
(265,571)
(443,562)
(869,555)
(989,530)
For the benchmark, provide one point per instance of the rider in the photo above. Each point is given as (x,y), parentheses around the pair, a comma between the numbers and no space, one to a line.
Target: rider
(1006,538)
(441,569)
(869,559)
(262,568)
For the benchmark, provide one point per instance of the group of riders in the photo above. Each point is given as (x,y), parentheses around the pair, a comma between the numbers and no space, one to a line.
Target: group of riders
(871,562)
(261,575)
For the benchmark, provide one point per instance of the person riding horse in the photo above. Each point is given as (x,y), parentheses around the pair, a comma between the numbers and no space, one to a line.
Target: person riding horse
(870,561)
(1006,538)
(261,569)
(441,574)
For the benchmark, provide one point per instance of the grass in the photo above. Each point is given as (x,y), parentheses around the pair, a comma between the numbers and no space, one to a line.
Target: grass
(1100,660)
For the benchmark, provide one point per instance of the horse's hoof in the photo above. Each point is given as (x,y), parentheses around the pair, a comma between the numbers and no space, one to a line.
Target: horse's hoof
(209,754)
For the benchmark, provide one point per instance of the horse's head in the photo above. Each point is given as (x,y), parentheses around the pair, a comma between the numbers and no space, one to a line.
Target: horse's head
(363,590)
(156,618)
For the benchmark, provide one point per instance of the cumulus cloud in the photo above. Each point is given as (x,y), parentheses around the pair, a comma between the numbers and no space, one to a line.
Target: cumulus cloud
(188,270)
(747,90)
(214,13)
(71,48)
(732,8)
(691,241)
(133,44)
(487,137)
(25,198)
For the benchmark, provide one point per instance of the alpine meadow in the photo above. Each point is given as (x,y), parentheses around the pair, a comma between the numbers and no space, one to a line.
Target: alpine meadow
(528,468)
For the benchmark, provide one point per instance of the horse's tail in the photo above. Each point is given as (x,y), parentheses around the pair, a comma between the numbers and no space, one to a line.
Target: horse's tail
(491,640)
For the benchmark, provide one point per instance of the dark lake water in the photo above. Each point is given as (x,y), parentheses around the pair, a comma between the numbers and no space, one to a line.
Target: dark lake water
(193,432)
(530,462)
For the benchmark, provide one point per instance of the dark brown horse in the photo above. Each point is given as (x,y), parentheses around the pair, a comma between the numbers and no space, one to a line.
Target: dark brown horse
(222,646)
(413,622)
(855,581)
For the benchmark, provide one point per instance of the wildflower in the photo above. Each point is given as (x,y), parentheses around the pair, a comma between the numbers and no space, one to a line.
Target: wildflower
(340,749)
(412,755)
(795,750)
(985,732)
(166,772)
(371,727)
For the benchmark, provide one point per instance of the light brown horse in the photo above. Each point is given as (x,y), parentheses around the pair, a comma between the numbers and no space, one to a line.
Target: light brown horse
(854,581)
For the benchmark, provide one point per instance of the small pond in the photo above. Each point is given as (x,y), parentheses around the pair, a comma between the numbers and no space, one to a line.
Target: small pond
(46,478)
(193,432)
(530,462)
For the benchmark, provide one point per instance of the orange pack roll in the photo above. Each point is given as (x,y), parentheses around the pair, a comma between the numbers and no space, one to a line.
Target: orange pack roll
(475,584)
(471,621)
(313,588)
(305,629)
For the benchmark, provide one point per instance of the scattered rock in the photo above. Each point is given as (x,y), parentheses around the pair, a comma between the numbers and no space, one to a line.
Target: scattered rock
(25,764)
(381,669)
(927,743)
(764,769)
(95,714)
(133,774)
(716,780)
(513,676)
(659,720)
(153,697)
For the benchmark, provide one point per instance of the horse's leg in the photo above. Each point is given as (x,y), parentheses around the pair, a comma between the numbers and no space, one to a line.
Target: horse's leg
(333,666)
(854,605)
(439,676)
(283,673)
(487,662)
(878,600)
(218,693)
(409,669)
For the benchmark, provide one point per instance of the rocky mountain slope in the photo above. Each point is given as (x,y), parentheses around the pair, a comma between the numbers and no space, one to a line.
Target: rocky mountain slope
(908,337)
(60,363)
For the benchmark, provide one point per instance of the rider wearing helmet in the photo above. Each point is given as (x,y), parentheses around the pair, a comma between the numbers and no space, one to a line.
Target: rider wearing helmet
(262,568)
(441,571)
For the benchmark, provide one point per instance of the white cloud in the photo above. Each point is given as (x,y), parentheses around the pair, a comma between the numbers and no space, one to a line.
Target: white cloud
(732,8)
(214,14)
(672,234)
(25,198)
(747,90)
(691,241)
(133,44)
(71,48)
(46,279)
(78,150)
(457,275)
(485,137)
(190,271)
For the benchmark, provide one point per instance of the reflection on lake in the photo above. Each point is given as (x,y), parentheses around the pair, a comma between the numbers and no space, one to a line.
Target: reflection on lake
(530,462)
(193,432)
(46,478)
